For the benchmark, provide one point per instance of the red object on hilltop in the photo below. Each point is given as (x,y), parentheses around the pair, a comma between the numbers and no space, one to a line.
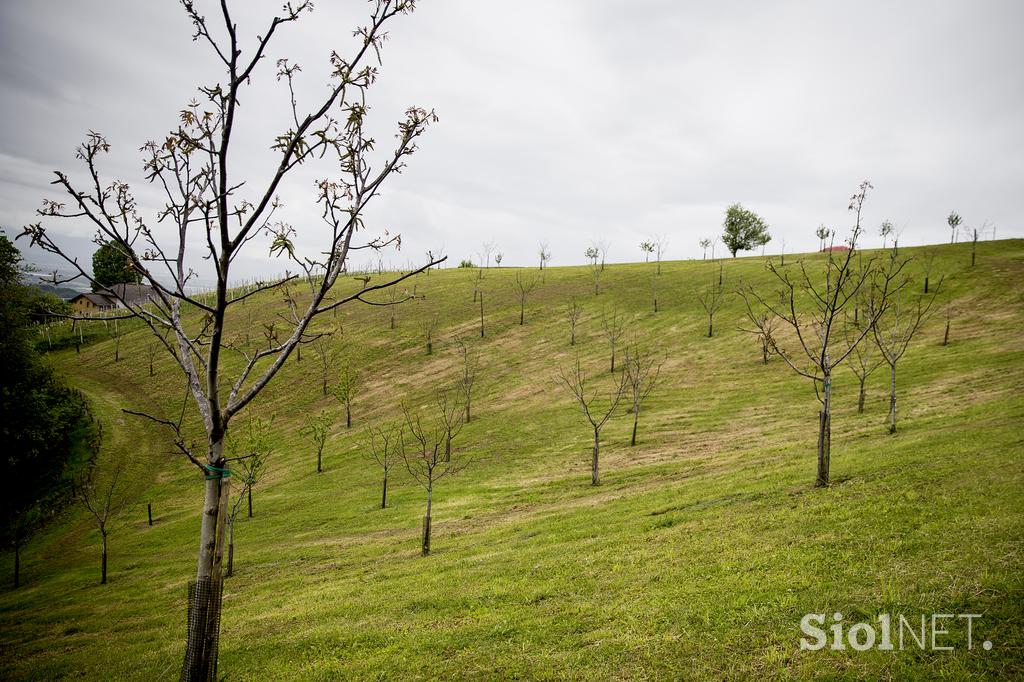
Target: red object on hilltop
(829,249)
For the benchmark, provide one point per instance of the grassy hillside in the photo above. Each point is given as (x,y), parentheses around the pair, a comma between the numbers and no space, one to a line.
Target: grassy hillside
(696,558)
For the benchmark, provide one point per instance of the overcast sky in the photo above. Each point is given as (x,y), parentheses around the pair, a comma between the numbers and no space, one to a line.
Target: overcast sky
(566,121)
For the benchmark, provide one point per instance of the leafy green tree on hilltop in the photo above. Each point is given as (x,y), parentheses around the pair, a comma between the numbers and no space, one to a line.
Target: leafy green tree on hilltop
(111,265)
(744,230)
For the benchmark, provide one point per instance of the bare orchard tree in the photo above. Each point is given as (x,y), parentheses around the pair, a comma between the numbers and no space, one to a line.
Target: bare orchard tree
(485,254)
(927,265)
(660,245)
(115,332)
(233,511)
(865,358)
(325,360)
(573,312)
(317,428)
(469,362)
(253,465)
(424,455)
(211,203)
(705,244)
(575,380)
(347,388)
(603,246)
(895,326)
(642,370)
(818,333)
(429,327)
(763,327)
(385,449)
(712,298)
(452,415)
(497,258)
(949,321)
(102,490)
(544,254)
(523,285)
(613,326)
(592,254)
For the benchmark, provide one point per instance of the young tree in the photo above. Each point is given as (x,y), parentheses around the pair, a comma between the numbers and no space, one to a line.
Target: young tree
(115,333)
(824,234)
(744,230)
(613,326)
(316,429)
(641,373)
(253,465)
(711,299)
(602,247)
(233,510)
(575,381)
(927,264)
(864,359)
(485,254)
(894,328)
(102,490)
(469,363)
(705,244)
(385,441)
(425,459)
(151,351)
(592,255)
(429,327)
(949,320)
(885,231)
(660,244)
(573,312)
(816,332)
(497,259)
(763,328)
(647,248)
(954,221)
(112,264)
(325,360)
(347,388)
(544,253)
(523,285)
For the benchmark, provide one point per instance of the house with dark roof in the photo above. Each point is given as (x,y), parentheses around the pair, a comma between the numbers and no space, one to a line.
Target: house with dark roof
(92,303)
(114,297)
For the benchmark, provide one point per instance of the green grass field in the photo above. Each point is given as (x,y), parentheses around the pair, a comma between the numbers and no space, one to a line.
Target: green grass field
(695,559)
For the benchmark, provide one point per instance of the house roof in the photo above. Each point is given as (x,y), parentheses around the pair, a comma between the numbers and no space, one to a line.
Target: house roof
(98,299)
(130,293)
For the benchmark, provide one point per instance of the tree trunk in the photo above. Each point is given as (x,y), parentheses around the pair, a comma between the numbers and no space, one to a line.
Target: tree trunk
(467,407)
(594,478)
(892,399)
(481,315)
(248,491)
(636,418)
(204,622)
(824,434)
(860,398)
(348,415)
(103,560)
(149,512)
(426,523)
(521,313)
(945,338)
(430,345)
(926,284)
(572,337)
(613,360)
(711,328)
(319,460)
(150,367)
(384,492)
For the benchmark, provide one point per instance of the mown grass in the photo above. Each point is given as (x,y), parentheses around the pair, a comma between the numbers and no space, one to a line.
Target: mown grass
(695,559)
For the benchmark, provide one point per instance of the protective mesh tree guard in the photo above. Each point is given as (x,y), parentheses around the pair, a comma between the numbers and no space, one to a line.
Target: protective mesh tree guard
(204,598)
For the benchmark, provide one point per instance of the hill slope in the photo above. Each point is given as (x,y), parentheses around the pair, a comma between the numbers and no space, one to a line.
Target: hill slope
(696,558)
